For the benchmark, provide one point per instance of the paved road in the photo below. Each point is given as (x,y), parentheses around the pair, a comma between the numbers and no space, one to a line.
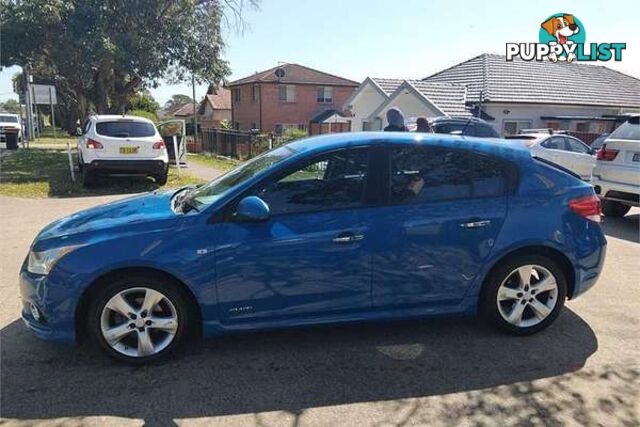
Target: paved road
(585,370)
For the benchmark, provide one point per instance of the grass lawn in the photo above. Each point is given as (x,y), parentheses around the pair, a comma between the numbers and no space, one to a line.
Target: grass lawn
(220,163)
(60,139)
(38,173)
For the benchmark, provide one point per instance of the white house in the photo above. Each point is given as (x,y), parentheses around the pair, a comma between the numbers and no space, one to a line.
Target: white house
(374,97)
(582,98)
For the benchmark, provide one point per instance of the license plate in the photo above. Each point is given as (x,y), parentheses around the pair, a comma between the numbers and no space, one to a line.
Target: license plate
(129,150)
(636,157)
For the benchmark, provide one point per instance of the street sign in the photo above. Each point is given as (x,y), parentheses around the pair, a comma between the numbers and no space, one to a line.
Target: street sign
(44,94)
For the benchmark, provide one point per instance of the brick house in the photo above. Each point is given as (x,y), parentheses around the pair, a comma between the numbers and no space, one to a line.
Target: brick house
(286,96)
(214,108)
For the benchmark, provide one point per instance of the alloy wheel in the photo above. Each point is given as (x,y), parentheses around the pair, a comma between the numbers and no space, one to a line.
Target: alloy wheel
(139,322)
(527,296)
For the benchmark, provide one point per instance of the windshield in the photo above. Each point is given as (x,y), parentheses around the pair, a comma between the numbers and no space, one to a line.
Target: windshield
(125,129)
(212,191)
(9,119)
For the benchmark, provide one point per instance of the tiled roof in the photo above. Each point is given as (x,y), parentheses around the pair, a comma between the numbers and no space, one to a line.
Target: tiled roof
(388,86)
(450,98)
(220,100)
(542,82)
(295,73)
(185,110)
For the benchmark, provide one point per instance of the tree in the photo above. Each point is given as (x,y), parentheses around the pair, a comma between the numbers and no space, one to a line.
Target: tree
(176,102)
(101,52)
(143,101)
(10,106)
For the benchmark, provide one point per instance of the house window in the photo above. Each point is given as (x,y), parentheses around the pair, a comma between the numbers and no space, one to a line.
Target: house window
(513,127)
(287,93)
(553,125)
(236,95)
(582,127)
(325,95)
(255,93)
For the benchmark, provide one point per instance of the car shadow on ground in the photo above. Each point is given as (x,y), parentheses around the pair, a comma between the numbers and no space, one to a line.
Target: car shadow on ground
(626,228)
(305,368)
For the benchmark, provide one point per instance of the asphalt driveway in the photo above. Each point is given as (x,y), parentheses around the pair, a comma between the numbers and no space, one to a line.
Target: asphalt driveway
(584,370)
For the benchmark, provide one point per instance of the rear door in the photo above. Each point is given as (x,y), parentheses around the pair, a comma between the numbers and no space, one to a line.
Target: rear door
(582,160)
(555,149)
(126,138)
(444,212)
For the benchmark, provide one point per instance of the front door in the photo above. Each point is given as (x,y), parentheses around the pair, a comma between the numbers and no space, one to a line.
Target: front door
(313,256)
(431,240)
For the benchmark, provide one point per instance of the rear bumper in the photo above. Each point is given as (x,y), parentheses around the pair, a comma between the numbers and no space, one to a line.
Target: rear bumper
(133,167)
(625,193)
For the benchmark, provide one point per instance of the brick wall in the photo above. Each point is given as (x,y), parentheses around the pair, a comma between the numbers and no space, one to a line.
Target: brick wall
(275,112)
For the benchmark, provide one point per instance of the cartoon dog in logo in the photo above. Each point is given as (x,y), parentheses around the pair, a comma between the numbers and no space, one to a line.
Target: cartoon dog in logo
(561,27)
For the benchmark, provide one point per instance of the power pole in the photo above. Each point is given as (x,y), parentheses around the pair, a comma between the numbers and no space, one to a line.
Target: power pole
(195,116)
(29,102)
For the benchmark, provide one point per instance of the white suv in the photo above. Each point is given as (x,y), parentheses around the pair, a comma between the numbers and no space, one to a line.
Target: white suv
(121,145)
(616,176)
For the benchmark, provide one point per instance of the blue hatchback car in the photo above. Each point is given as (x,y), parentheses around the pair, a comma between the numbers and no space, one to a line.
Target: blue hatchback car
(339,228)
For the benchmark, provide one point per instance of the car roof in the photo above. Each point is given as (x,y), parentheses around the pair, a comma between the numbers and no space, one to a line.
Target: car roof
(116,117)
(493,146)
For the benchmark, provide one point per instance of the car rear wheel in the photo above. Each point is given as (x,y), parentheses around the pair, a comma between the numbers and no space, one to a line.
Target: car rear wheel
(614,209)
(524,295)
(161,179)
(139,319)
(88,178)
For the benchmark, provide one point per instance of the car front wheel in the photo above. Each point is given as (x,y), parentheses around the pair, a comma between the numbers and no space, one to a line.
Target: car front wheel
(139,319)
(524,295)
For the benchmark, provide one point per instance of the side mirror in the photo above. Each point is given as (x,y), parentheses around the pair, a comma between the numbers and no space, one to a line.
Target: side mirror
(252,209)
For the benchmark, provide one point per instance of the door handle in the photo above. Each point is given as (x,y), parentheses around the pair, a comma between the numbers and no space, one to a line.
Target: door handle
(347,238)
(475,224)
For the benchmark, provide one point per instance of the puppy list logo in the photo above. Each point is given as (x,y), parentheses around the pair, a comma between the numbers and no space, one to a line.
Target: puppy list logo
(562,38)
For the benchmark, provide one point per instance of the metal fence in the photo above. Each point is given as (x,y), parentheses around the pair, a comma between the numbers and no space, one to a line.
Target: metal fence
(232,143)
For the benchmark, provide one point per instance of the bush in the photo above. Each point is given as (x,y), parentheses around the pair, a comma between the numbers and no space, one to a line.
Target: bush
(146,114)
(291,134)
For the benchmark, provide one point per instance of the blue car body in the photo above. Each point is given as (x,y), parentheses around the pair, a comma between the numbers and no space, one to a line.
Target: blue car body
(415,260)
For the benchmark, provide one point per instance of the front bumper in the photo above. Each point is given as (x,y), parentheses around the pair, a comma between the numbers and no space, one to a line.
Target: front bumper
(127,167)
(57,322)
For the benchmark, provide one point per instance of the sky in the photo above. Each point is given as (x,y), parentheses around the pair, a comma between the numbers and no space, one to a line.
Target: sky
(400,38)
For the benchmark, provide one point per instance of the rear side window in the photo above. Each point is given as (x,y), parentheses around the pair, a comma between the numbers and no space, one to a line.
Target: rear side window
(125,129)
(430,174)
(628,130)
(554,143)
(577,146)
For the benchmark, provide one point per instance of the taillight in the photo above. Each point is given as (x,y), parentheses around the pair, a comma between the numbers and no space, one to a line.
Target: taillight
(587,207)
(606,154)
(94,145)
(159,145)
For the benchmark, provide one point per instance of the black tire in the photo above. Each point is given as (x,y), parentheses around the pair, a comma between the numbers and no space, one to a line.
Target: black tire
(489,305)
(162,178)
(614,209)
(88,178)
(169,289)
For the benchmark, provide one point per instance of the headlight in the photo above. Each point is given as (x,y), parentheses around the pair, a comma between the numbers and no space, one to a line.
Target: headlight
(43,262)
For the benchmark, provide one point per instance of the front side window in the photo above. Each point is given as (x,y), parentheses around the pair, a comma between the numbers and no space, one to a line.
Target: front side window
(331,181)
(125,129)
(215,189)
(325,95)
(430,174)
(287,93)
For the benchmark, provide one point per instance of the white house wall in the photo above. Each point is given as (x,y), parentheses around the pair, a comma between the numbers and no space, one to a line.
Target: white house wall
(533,112)
(363,105)
(411,106)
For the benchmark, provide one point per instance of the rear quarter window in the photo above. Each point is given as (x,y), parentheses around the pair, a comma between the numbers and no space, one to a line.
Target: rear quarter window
(125,129)
(628,130)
